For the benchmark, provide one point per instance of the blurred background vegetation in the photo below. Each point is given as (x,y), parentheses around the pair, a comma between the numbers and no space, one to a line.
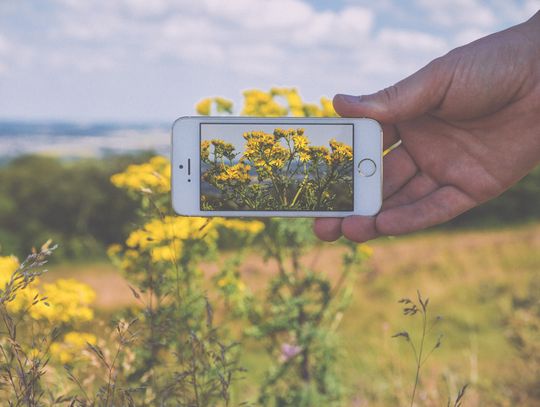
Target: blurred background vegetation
(73,201)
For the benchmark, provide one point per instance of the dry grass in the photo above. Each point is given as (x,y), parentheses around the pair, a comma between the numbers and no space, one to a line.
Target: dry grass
(470,277)
(490,252)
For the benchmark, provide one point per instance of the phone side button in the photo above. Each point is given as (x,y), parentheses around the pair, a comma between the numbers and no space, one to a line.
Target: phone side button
(367,167)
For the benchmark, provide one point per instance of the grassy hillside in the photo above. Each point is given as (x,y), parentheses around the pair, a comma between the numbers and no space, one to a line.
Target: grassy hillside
(475,280)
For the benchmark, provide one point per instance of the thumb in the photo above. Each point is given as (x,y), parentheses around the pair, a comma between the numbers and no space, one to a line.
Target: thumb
(413,96)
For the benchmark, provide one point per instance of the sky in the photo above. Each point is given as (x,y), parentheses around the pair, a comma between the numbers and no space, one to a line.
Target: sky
(151,60)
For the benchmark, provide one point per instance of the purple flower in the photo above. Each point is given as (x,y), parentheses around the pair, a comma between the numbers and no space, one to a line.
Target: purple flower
(289,351)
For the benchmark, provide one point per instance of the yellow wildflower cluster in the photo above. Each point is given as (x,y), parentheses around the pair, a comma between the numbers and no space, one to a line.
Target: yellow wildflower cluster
(154,175)
(238,173)
(23,299)
(223,149)
(327,108)
(72,346)
(68,302)
(294,101)
(341,152)
(301,145)
(364,250)
(264,150)
(8,265)
(204,107)
(259,103)
(253,227)
(164,238)
(264,104)
(205,150)
(231,282)
(318,153)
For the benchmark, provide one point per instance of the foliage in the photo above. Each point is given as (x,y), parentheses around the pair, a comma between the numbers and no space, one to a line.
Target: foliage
(298,315)
(290,173)
(180,356)
(71,202)
(297,319)
(162,259)
(55,313)
(419,348)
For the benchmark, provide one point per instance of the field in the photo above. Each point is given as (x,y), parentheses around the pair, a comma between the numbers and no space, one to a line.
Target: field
(141,307)
(473,279)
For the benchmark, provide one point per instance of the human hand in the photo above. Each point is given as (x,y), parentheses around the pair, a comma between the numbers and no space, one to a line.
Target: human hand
(469,125)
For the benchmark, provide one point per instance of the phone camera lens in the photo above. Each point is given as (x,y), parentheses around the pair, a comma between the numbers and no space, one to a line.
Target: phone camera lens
(188,180)
(181,166)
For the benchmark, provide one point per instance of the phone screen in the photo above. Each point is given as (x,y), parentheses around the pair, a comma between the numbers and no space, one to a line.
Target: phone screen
(268,167)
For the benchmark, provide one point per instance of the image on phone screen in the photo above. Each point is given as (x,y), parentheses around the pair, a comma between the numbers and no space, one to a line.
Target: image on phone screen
(265,167)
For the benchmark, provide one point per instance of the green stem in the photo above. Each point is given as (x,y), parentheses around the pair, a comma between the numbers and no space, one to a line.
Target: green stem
(419,358)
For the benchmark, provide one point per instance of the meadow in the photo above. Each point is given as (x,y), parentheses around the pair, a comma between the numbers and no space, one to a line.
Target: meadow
(237,312)
(474,278)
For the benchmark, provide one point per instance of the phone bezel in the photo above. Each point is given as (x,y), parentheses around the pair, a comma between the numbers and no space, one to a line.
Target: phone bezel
(185,152)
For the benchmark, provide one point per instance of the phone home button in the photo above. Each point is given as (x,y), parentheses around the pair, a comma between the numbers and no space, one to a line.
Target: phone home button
(367,167)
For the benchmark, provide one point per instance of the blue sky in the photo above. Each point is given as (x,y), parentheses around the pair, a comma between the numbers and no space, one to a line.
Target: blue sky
(152,60)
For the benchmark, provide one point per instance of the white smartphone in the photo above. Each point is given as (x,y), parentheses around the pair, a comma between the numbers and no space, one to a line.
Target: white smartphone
(294,167)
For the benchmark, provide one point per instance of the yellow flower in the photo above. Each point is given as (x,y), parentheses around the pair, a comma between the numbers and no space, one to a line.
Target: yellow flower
(70,349)
(203,107)
(66,300)
(69,301)
(245,226)
(23,298)
(341,152)
(155,175)
(162,238)
(259,103)
(319,153)
(238,173)
(205,150)
(166,253)
(327,108)
(304,157)
(223,105)
(114,250)
(8,265)
(296,106)
(312,110)
(33,353)
(365,250)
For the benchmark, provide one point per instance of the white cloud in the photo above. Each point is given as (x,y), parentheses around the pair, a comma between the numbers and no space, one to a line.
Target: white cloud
(256,37)
(469,35)
(451,13)
(213,46)
(412,41)
(13,55)
(4,45)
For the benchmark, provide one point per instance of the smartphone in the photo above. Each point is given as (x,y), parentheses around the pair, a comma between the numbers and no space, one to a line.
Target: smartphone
(282,167)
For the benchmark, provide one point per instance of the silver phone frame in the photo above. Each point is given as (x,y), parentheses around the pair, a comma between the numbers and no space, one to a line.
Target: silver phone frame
(185,144)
